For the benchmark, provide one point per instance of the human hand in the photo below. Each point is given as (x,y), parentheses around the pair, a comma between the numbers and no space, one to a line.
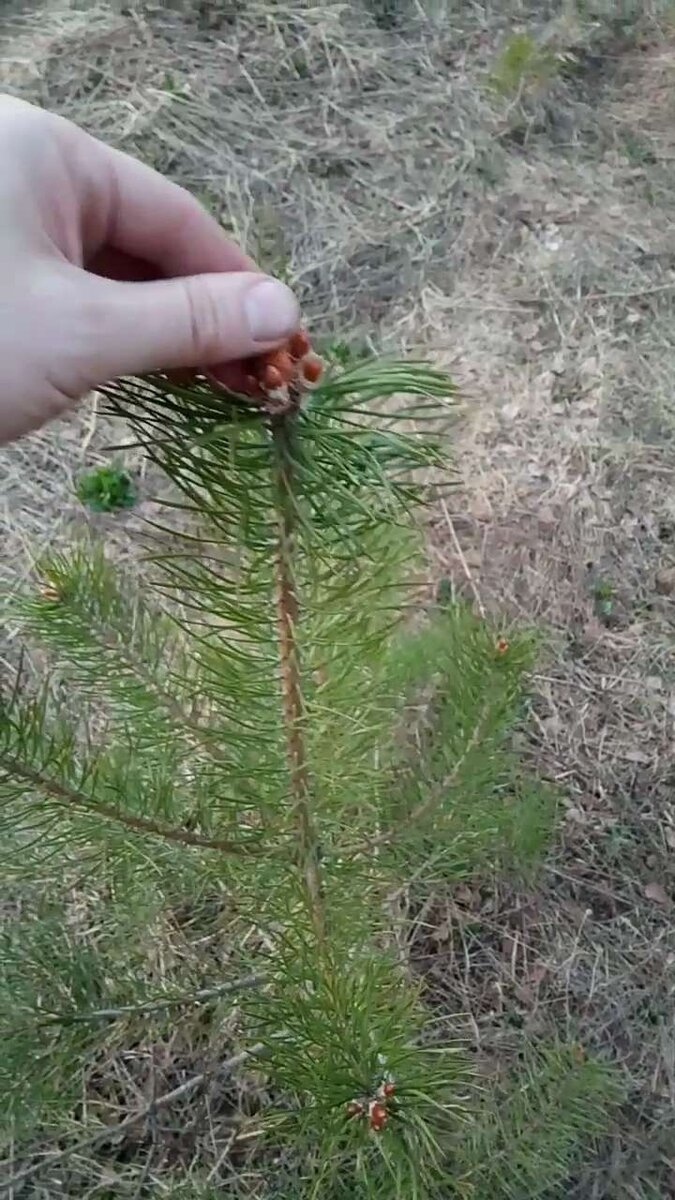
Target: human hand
(108,269)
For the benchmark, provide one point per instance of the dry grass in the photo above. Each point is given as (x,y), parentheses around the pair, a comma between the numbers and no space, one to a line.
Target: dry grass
(529,243)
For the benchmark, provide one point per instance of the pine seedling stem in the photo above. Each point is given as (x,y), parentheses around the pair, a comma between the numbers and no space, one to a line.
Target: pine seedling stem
(290,669)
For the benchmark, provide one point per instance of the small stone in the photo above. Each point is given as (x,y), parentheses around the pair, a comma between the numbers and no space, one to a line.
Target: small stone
(481,509)
(664,581)
(656,892)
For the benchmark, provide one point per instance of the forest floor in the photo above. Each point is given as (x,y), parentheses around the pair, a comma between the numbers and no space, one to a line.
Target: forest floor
(511,214)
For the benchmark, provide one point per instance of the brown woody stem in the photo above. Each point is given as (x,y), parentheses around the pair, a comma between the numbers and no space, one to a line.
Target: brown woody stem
(290,671)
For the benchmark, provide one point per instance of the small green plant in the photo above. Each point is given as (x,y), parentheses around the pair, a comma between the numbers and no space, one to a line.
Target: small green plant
(389,14)
(345,353)
(523,65)
(604,594)
(638,148)
(267,243)
(106,489)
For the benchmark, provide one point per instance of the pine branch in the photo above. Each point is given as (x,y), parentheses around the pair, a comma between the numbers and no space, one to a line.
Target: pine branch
(150,1006)
(288,612)
(195,735)
(69,798)
(427,807)
(112,1132)
(106,634)
(543,1112)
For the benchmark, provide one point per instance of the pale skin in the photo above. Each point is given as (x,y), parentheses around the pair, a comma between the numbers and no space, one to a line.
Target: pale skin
(109,269)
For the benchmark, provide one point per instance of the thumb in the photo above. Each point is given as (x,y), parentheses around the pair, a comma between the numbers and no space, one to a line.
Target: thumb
(194,321)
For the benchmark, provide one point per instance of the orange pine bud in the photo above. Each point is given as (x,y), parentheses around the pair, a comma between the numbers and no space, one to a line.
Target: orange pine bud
(312,369)
(502,645)
(377,1115)
(271,377)
(283,362)
(299,344)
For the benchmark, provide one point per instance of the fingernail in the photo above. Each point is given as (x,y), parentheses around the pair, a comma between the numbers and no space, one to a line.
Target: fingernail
(271,309)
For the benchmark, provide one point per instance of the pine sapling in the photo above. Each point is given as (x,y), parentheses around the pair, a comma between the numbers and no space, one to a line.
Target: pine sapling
(262,716)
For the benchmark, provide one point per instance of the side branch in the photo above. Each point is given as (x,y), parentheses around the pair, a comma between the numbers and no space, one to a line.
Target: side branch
(200,996)
(69,798)
(194,734)
(426,807)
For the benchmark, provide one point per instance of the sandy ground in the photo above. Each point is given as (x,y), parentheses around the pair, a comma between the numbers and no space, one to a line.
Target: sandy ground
(526,241)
